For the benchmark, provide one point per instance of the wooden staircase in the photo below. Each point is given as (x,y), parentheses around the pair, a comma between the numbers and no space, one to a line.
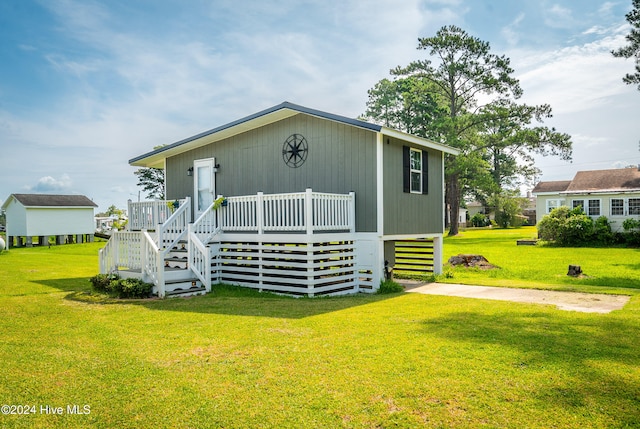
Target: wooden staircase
(179,279)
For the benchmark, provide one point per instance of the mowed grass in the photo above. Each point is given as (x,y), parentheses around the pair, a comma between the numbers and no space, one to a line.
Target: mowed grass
(541,266)
(238,359)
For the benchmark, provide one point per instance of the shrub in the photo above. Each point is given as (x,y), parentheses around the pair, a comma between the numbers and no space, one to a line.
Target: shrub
(133,288)
(630,224)
(112,284)
(479,220)
(102,282)
(389,286)
(551,225)
(602,231)
(577,230)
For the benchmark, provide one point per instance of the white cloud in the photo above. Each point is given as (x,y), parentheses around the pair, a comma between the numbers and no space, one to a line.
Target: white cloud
(510,32)
(49,184)
(559,17)
(574,78)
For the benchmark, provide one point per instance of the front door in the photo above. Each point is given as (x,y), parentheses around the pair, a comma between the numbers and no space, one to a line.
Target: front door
(204,184)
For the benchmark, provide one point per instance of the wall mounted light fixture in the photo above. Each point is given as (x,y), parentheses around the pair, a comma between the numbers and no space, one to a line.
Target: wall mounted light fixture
(190,171)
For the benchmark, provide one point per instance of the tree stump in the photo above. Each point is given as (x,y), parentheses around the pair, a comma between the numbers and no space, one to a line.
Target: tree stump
(574,270)
(471,261)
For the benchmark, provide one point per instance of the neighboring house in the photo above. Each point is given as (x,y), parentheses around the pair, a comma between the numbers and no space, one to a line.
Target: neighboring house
(313,204)
(612,193)
(69,218)
(475,207)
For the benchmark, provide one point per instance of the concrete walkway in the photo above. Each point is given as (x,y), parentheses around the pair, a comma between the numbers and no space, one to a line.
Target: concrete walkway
(571,301)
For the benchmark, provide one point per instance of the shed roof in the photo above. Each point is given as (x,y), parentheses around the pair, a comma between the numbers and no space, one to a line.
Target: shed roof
(612,180)
(51,200)
(265,117)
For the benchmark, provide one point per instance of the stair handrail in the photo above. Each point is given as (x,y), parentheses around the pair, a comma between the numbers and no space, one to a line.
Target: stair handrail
(152,264)
(199,258)
(175,227)
(206,225)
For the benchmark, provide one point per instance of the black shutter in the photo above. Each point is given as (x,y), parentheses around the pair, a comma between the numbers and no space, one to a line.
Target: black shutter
(406,169)
(425,172)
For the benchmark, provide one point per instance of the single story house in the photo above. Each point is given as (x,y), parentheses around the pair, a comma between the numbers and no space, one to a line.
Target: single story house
(613,193)
(68,218)
(291,200)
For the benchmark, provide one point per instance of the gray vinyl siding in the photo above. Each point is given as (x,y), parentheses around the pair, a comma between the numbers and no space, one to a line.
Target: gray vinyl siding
(406,213)
(341,158)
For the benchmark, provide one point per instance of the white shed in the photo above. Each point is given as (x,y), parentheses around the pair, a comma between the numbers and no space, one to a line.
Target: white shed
(67,217)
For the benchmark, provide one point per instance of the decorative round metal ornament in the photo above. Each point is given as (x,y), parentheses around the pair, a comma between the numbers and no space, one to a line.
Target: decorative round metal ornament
(295,150)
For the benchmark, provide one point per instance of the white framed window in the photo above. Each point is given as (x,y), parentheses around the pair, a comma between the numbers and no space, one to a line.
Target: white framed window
(416,170)
(578,203)
(553,204)
(617,207)
(634,206)
(594,208)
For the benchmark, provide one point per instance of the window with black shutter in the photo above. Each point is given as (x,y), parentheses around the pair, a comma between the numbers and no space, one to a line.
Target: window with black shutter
(415,177)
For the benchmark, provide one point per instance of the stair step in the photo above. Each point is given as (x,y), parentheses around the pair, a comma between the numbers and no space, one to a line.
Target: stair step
(186,292)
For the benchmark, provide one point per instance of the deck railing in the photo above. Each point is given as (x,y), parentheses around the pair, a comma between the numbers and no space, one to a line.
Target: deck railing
(149,214)
(122,250)
(300,211)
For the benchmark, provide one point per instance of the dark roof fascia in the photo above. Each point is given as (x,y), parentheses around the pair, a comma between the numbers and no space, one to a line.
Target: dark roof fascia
(284,105)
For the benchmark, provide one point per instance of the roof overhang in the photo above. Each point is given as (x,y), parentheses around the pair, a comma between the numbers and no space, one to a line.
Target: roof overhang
(426,143)
(268,116)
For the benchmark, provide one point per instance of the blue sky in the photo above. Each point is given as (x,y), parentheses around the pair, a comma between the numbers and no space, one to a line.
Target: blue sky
(87,85)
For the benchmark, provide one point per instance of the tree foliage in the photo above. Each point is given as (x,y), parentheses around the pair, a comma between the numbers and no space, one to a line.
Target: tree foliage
(508,208)
(152,181)
(463,95)
(633,48)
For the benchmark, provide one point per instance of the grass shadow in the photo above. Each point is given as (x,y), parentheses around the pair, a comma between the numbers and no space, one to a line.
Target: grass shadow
(225,300)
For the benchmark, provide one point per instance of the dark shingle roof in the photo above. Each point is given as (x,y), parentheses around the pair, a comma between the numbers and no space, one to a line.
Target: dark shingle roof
(621,179)
(49,200)
(552,186)
(614,180)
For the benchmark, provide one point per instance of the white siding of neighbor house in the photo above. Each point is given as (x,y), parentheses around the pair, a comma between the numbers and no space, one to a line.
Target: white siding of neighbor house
(36,221)
(605,205)
(16,219)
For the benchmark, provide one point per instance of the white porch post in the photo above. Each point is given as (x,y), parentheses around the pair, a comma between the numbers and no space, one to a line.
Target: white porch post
(129,213)
(308,210)
(160,275)
(437,254)
(352,212)
(260,212)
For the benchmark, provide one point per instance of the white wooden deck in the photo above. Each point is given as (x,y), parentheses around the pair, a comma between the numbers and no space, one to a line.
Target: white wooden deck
(297,243)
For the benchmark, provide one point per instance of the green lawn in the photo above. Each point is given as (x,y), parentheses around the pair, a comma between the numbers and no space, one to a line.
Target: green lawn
(237,360)
(541,266)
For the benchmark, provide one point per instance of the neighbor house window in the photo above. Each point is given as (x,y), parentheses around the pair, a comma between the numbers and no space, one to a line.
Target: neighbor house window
(578,203)
(415,176)
(553,204)
(634,206)
(594,208)
(617,207)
